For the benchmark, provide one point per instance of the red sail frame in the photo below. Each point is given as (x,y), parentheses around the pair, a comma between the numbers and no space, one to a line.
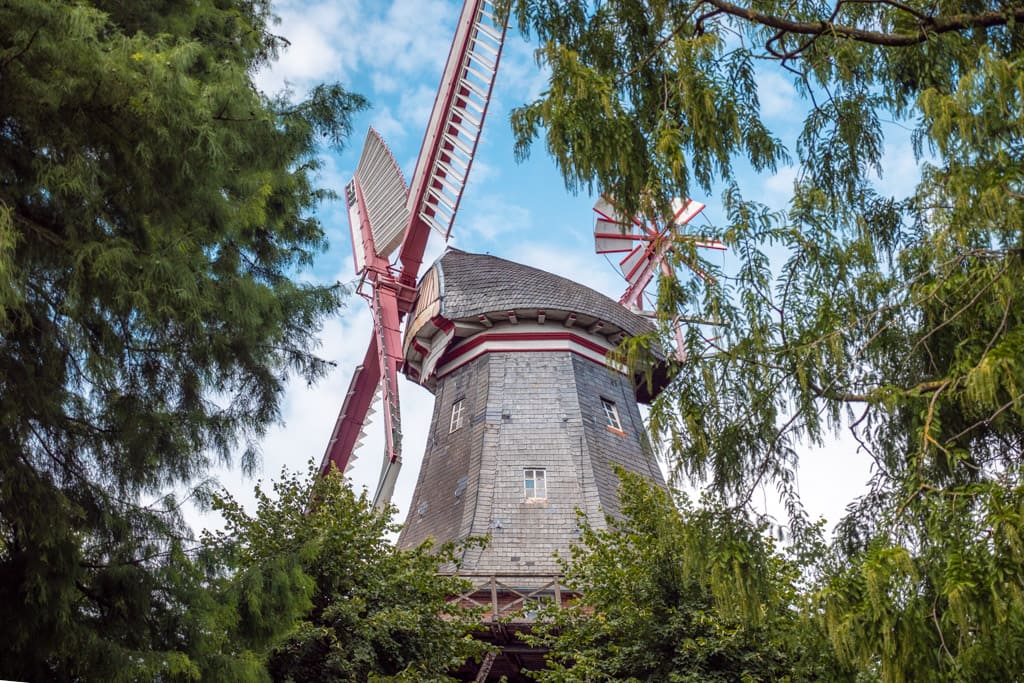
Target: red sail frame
(442,169)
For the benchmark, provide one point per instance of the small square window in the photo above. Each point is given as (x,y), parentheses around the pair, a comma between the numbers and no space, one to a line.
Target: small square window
(611,415)
(457,410)
(535,484)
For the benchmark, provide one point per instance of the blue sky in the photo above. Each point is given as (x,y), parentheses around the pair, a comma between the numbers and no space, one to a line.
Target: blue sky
(393,54)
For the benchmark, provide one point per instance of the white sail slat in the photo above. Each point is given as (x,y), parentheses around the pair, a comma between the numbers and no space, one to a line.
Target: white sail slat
(384,194)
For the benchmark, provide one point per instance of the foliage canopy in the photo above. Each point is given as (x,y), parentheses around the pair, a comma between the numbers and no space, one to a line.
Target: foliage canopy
(365,609)
(154,207)
(677,592)
(900,317)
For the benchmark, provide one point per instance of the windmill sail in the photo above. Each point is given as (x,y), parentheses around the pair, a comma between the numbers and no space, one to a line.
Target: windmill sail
(385,215)
(383,191)
(457,117)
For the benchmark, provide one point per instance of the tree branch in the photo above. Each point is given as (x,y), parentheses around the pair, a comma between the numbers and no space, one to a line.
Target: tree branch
(927,26)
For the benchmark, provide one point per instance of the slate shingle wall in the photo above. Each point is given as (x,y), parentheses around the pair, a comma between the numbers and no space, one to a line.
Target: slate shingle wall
(534,396)
(524,410)
(436,511)
(607,448)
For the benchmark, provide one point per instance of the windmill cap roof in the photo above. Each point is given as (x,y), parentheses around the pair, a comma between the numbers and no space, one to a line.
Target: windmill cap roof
(477,284)
(465,289)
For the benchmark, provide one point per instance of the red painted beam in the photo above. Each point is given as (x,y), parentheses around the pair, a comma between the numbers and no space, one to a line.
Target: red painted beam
(353,411)
(387,327)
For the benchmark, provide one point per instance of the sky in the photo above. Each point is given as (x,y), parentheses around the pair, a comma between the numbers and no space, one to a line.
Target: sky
(393,53)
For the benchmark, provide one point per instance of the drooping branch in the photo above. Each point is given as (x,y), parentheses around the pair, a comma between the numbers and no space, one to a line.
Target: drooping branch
(926,25)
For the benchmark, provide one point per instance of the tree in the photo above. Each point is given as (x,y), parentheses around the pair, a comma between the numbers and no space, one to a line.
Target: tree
(154,207)
(677,592)
(374,611)
(897,316)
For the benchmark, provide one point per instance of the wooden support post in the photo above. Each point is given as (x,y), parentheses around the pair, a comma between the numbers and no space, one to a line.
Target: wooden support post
(494,599)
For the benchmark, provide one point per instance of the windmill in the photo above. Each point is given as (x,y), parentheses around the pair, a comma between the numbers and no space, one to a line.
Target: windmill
(645,245)
(387,217)
(533,414)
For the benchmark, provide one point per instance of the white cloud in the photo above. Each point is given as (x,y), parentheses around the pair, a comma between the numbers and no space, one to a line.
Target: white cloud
(837,468)
(778,97)
(777,189)
(390,128)
(481,174)
(321,48)
(385,83)
(901,172)
(332,175)
(580,265)
(411,37)
(519,78)
(435,247)
(415,104)
(489,217)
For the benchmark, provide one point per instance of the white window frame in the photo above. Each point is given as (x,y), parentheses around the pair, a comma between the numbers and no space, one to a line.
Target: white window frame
(458,409)
(535,483)
(611,414)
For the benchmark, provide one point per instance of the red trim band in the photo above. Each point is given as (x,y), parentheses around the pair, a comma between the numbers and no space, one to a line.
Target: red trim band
(483,337)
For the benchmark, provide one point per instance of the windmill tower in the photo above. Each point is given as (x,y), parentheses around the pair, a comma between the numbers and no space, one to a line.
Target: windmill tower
(532,410)
(531,416)
(532,413)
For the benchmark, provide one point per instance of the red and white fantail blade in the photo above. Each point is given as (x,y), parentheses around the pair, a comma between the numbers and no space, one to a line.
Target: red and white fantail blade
(633,264)
(605,208)
(677,332)
(685,211)
(610,238)
(638,268)
(615,232)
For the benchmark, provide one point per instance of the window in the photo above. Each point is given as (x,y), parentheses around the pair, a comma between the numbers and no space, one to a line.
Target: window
(534,605)
(534,484)
(457,415)
(611,415)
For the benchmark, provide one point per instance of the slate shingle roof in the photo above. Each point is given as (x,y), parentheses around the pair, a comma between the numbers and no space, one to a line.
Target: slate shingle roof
(476,284)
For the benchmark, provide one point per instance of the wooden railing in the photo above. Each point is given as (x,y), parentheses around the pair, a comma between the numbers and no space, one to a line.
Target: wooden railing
(513,597)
